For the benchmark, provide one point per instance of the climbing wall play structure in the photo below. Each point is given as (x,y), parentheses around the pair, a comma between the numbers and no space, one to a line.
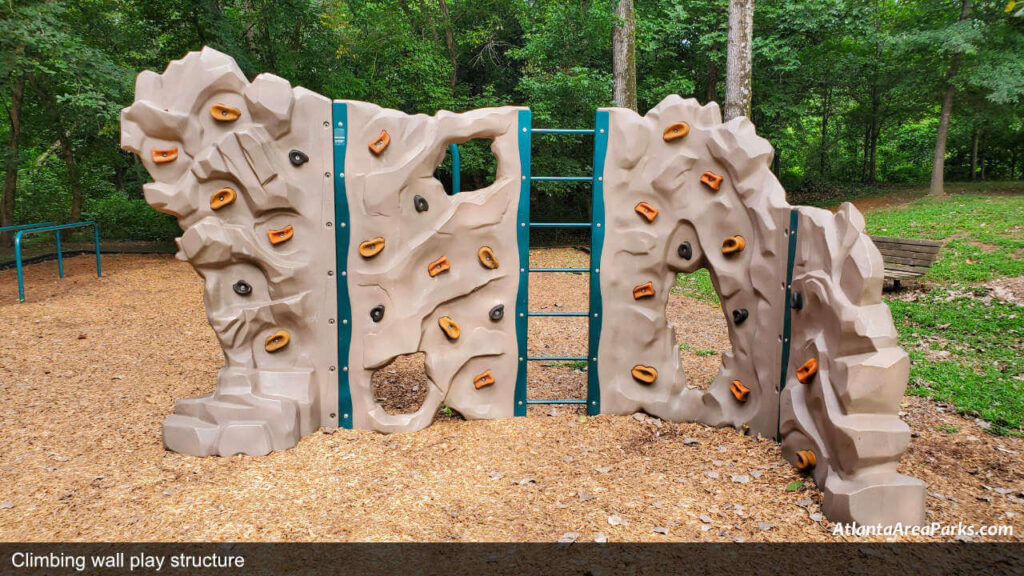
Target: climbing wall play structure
(328,250)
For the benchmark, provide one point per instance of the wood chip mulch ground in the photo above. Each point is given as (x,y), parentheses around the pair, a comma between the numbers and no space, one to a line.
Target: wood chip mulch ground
(90,367)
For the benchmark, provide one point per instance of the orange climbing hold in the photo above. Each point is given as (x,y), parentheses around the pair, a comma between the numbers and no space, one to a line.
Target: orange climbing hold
(277,340)
(647,211)
(438,266)
(733,245)
(482,380)
(805,460)
(222,198)
(740,391)
(164,155)
(711,180)
(224,113)
(451,329)
(643,291)
(806,372)
(381,143)
(283,235)
(645,374)
(487,257)
(676,131)
(371,248)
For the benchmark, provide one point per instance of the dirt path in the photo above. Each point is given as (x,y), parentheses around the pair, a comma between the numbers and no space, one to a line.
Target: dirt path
(90,367)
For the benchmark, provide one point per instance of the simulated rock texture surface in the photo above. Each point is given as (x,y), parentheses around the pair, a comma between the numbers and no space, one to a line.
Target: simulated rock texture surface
(248,170)
(709,187)
(384,190)
(254,227)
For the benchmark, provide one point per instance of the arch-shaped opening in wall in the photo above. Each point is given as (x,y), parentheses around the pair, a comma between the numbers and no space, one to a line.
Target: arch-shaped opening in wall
(400,386)
(477,165)
(702,331)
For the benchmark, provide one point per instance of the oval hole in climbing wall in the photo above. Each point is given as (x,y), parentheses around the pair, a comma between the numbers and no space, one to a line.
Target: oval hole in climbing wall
(702,333)
(400,387)
(477,166)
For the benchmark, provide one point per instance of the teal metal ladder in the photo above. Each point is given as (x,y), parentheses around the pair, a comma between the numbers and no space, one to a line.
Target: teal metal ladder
(596,226)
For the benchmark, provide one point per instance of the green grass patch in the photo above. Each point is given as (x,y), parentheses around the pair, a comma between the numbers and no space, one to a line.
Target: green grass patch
(686,346)
(983,234)
(967,351)
(697,285)
(572,365)
(947,428)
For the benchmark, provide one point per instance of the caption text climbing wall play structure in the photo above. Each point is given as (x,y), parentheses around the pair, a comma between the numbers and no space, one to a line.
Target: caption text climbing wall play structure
(329,249)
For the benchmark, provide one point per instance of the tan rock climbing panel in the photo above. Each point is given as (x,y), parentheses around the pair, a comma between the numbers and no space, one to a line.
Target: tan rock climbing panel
(711,180)
(438,266)
(647,211)
(371,248)
(222,198)
(277,341)
(224,113)
(645,374)
(806,372)
(380,143)
(645,290)
(482,380)
(281,234)
(487,257)
(733,245)
(676,131)
(164,155)
(450,327)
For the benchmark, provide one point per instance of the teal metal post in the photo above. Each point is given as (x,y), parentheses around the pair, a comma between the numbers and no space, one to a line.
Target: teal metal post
(794,220)
(456,169)
(341,243)
(60,261)
(523,238)
(597,227)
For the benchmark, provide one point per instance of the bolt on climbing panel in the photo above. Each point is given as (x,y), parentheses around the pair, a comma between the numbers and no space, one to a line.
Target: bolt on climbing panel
(593,314)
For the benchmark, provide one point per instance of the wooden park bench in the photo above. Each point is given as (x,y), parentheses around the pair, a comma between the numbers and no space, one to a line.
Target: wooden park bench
(906,258)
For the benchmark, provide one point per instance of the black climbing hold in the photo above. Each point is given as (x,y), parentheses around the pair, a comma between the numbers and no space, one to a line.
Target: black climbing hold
(685,251)
(740,316)
(297,157)
(377,313)
(242,288)
(420,203)
(796,300)
(497,313)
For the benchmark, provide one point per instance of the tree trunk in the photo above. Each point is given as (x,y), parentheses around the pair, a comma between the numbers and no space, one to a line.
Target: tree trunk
(11,174)
(974,155)
(937,186)
(449,41)
(826,109)
(624,56)
(66,149)
(739,54)
(712,90)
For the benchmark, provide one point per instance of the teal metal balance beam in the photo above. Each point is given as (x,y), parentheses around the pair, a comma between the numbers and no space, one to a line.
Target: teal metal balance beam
(24,226)
(60,254)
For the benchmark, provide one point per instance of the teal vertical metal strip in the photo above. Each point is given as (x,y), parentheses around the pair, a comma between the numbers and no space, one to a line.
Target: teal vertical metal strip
(341,242)
(597,227)
(794,219)
(456,169)
(523,239)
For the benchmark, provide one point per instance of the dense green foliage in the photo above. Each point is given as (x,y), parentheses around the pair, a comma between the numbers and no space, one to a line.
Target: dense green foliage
(846,90)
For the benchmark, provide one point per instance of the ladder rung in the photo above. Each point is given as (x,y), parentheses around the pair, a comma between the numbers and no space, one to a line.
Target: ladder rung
(556,401)
(554,358)
(562,130)
(559,224)
(559,269)
(561,178)
(542,314)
